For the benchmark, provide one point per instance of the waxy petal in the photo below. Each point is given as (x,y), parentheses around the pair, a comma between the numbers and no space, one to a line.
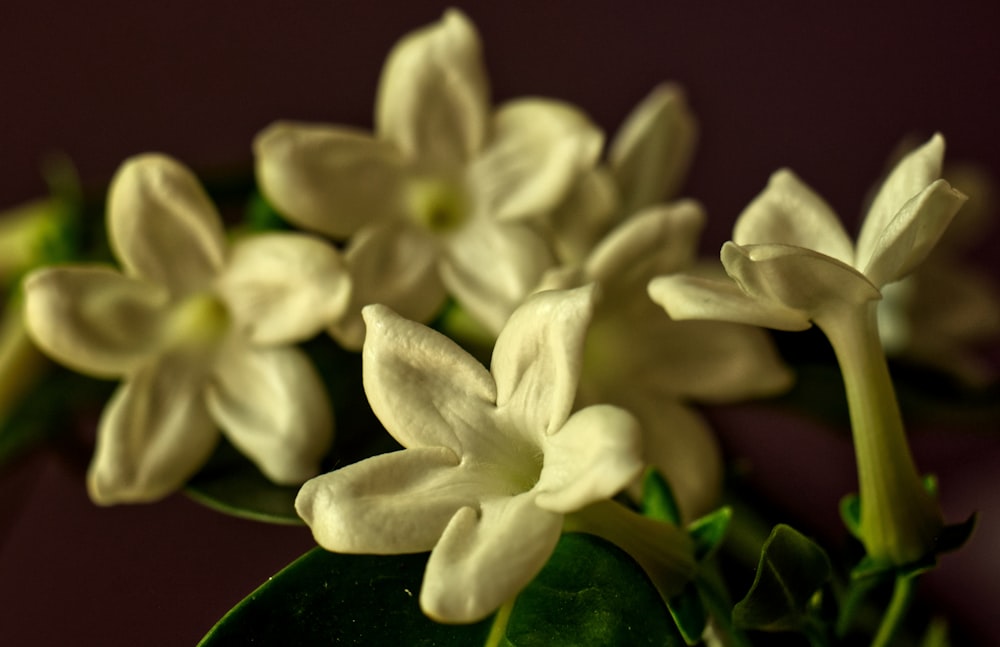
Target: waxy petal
(154,434)
(908,178)
(588,212)
(538,150)
(327,179)
(538,357)
(693,297)
(652,151)
(788,212)
(396,266)
(910,236)
(273,407)
(592,457)
(484,560)
(283,288)
(433,97)
(797,278)
(93,318)
(158,213)
(389,504)
(425,389)
(661,239)
(490,267)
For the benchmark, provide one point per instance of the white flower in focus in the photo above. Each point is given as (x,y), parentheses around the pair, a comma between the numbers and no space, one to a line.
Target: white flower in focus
(199,335)
(640,359)
(792,263)
(438,200)
(493,459)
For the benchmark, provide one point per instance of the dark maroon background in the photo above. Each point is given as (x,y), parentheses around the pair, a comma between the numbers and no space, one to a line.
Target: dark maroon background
(823,88)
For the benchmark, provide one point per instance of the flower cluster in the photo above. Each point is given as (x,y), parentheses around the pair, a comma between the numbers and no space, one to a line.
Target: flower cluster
(578,268)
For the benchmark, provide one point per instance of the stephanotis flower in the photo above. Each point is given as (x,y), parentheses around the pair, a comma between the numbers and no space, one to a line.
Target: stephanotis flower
(435,201)
(638,358)
(792,265)
(494,459)
(646,164)
(198,333)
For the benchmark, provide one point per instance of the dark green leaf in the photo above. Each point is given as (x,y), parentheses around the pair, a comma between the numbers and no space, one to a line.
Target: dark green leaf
(850,514)
(658,500)
(792,569)
(689,614)
(329,599)
(591,593)
(709,531)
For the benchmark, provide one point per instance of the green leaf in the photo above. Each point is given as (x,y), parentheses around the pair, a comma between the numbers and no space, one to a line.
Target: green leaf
(688,612)
(658,500)
(590,593)
(850,514)
(329,599)
(792,569)
(709,531)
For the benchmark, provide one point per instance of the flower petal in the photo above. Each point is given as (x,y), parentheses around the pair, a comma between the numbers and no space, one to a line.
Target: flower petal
(592,457)
(538,150)
(797,278)
(425,389)
(909,177)
(396,266)
(589,210)
(652,151)
(389,504)
(284,287)
(661,239)
(433,97)
(909,237)
(154,434)
(490,267)
(93,318)
(272,406)
(693,297)
(788,212)
(538,357)
(162,225)
(483,561)
(327,179)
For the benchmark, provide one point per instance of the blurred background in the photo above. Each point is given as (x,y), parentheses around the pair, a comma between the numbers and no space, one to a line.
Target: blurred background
(827,89)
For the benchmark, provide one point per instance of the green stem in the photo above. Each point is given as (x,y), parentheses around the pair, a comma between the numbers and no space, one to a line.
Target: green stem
(902,595)
(899,519)
(664,551)
(499,628)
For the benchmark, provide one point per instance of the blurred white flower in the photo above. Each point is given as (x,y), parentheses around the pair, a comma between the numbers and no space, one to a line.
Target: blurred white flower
(493,459)
(792,265)
(640,359)
(439,200)
(199,335)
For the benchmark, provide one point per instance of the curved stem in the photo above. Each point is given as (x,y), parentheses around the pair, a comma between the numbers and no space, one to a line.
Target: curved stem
(902,595)
(664,551)
(499,627)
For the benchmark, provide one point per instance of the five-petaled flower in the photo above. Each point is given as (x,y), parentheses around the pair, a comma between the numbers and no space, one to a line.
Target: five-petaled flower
(792,265)
(438,201)
(493,460)
(198,333)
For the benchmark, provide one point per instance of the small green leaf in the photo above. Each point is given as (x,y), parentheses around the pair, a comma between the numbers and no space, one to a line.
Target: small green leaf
(850,514)
(330,599)
(688,612)
(954,536)
(791,569)
(709,531)
(658,500)
(590,593)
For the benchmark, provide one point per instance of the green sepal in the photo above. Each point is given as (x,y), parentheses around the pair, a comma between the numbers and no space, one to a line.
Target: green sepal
(658,500)
(954,536)
(688,612)
(709,531)
(850,514)
(792,569)
(589,594)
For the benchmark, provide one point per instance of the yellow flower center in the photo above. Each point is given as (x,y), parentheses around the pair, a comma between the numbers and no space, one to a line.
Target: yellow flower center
(437,205)
(197,323)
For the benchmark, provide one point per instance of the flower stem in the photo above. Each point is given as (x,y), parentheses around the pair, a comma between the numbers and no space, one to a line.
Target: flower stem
(664,551)
(902,595)
(899,518)
(499,627)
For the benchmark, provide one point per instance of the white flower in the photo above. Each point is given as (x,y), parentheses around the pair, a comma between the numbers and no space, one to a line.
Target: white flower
(436,201)
(793,263)
(640,359)
(197,333)
(493,459)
